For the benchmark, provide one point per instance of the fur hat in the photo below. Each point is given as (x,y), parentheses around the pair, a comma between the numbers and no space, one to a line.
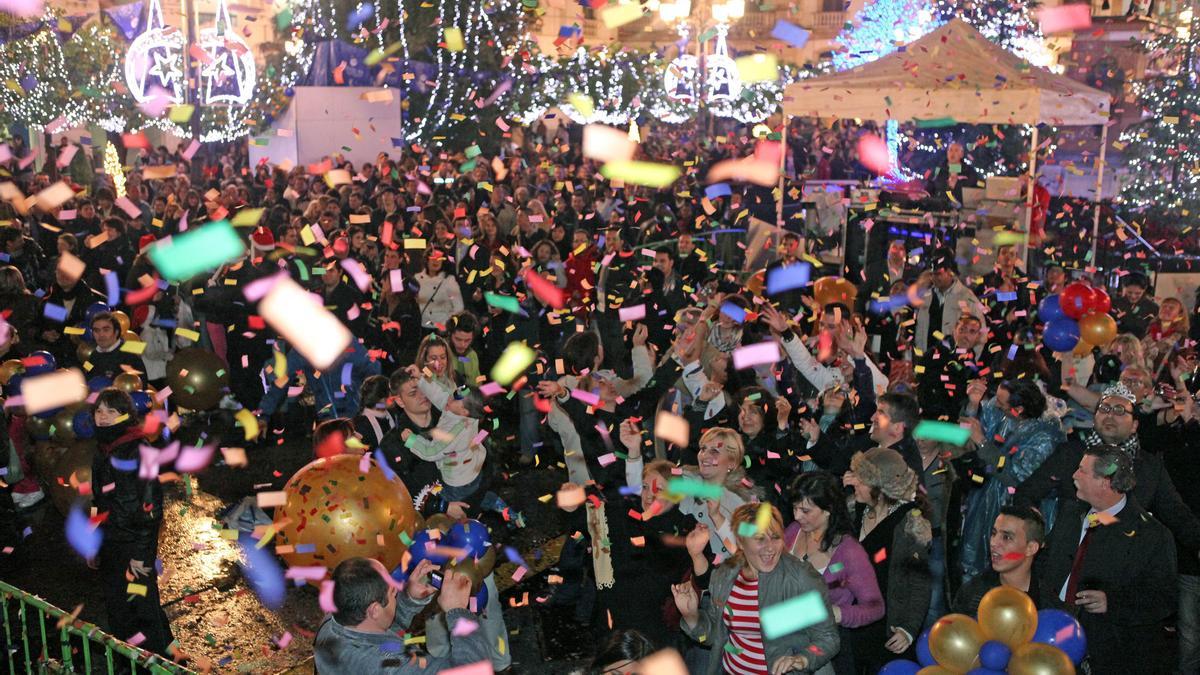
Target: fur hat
(885,469)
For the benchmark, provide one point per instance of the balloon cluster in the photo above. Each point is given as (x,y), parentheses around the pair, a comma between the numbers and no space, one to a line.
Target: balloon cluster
(466,546)
(1077,319)
(1011,636)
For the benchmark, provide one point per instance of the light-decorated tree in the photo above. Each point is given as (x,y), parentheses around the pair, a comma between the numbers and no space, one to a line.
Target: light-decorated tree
(881,28)
(1012,24)
(1162,152)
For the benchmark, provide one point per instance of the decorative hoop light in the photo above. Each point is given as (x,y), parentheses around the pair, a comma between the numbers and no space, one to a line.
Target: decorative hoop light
(154,61)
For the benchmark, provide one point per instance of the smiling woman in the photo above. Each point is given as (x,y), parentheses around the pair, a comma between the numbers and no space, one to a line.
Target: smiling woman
(757,577)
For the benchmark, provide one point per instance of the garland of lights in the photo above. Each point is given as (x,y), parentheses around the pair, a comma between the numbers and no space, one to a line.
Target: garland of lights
(1162,153)
(112,169)
(609,80)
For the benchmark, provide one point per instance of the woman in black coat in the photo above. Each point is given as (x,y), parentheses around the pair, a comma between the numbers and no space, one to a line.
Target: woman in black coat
(132,509)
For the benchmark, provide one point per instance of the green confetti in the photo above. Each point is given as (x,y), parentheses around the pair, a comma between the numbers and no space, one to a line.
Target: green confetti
(504,302)
(789,616)
(936,122)
(200,250)
(694,488)
(942,432)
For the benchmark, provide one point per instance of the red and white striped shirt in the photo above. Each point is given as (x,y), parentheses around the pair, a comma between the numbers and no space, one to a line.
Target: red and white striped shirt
(744,655)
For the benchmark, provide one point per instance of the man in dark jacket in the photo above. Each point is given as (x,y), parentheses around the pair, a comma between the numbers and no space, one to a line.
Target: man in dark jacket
(1115,565)
(1017,536)
(1133,309)
(110,358)
(1115,425)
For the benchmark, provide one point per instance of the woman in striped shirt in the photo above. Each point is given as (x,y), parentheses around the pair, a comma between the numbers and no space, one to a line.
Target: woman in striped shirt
(759,576)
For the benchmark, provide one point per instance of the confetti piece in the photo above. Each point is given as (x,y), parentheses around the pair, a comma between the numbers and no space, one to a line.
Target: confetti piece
(570,497)
(649,174)
(199,250)
(325,597)
(582,103)
(504,302)
(758,68)
(634,313)
(607,144)
(664,662)
(873,153)
(1064,18)
(515,359)
(756,354)
(543,289)
(247,217)
(71,267)
(616,15)
(249,424)
(790,33)
(792,615)
(692,487)
(304,322)
(672,428)
(53,390)
(263,573)
(788,277)
(464,626)
(942,432)
(745,170)
(268,500)
(83,536)
(23,8)
(453,38)
(54,196)
(181,113)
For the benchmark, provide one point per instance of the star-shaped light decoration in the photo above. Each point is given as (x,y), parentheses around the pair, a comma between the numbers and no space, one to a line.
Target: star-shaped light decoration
(229,75)
(156,53)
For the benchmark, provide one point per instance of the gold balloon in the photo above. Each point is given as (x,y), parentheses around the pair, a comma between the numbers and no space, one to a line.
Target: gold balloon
(73,468)
(196,377)
(63,425)
(936,670)
(130,336)
(1035,658)
(341,512)
(1007,615)
(123,319)
(1097,329)
(9,368)
(438,521)
(155,404)
(829,290)
(38,427)
(127,382)
(477,570)
(955,641)
(43,458)
(83,351)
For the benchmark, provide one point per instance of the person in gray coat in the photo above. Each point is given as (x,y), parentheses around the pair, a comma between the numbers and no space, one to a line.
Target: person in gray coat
(363,634)
(761,574)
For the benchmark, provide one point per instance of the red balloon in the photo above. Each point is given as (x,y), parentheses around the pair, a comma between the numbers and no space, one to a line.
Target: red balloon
(1075,300)
(1100,302)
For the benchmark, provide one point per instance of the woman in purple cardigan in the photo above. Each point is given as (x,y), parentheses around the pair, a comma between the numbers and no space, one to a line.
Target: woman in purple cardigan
(821,536)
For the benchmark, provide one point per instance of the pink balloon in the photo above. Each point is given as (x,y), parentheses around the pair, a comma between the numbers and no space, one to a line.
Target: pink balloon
(873,153)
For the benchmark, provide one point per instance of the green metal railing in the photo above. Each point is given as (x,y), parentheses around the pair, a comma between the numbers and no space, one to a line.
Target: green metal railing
(28,646)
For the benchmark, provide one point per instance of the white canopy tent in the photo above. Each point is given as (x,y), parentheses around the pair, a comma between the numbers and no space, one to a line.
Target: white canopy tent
(956,74)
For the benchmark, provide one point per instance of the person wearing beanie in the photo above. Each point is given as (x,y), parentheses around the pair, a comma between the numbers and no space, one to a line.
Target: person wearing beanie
(896,536)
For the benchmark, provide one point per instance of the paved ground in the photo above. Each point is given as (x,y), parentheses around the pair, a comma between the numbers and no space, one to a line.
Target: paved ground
(214,614)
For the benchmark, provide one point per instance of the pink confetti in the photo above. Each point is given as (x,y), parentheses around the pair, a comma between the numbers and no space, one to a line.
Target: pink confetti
(635,313)
(137,639)
(128,207)
(357,273)
(586,396)
(464,627)
(325,597)
(481,668)
(754,355)
(491,389)
(873,153)
(1065,18)
(284,640)
(307,573)
(194,459)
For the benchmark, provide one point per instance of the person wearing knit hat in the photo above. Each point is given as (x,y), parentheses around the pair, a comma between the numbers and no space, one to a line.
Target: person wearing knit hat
(896,537)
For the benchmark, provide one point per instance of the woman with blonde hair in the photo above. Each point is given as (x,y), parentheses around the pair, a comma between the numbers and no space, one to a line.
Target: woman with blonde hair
(759,576)
(719,464)
(1166,334)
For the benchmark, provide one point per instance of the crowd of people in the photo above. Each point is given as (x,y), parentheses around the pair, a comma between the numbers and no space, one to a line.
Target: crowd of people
(710,487)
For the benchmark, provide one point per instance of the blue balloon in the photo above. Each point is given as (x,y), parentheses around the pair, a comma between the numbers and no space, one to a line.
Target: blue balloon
(924,655)
(481,598)
(99,382)
(47,364)
(994,655)
(986,671)
(900,667)
(1056,627)
(85,424)
(141,402)
(13,386)
(1061,335)
(94,309)
(47,414)
(1049,309)
(471,535)
(422,548)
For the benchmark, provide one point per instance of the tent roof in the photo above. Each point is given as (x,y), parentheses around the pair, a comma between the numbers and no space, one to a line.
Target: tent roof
(953,73)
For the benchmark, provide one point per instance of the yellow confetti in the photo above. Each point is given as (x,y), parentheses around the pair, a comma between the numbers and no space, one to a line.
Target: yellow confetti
(758,68)
(454,38)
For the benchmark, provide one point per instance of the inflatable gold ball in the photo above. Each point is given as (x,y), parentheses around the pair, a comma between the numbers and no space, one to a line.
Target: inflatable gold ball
(127,382)
(334,511)
(73,468)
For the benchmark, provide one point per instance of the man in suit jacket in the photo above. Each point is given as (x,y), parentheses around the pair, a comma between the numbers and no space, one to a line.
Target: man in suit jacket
(1115,564)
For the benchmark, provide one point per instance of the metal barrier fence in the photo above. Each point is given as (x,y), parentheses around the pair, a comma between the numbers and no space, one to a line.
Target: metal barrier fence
(28,647)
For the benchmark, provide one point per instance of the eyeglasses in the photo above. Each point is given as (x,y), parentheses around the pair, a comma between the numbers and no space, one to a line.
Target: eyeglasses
(1114,410)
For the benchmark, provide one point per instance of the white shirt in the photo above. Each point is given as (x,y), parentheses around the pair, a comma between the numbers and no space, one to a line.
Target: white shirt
(1112,512)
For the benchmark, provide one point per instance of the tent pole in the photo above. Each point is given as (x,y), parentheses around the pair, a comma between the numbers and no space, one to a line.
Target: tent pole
(783,145)
(1029,192)
(1098,197)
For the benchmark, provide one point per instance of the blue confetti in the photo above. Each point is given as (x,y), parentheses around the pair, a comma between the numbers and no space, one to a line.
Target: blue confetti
(790,33)
(263,573)
(84,537)
(359,15)
(126,465)
(717,190)
(113,285)
(733,311)
(56,313)
(787,277)
(1010,296)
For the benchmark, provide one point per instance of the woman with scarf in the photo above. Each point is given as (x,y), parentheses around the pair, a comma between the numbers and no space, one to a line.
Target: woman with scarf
(1013,435)
(896,536)
(132,512)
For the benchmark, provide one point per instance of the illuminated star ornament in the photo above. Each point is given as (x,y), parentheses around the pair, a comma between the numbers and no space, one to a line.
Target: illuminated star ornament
(228,73)
(153,62)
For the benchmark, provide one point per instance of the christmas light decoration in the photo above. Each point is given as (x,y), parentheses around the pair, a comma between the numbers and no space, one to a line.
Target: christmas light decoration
(1162,153)
(112,169)
(228,74)
(154,60)
(882,27)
